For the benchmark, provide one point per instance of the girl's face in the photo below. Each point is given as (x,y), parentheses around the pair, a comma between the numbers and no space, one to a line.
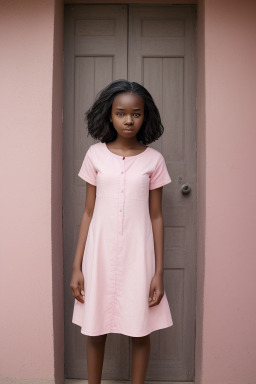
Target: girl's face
(127,114)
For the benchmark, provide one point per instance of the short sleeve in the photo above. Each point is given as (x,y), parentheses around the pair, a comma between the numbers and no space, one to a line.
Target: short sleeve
(160,175)
(87,171)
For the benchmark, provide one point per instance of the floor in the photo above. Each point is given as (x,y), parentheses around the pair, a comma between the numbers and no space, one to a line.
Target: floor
(73,381)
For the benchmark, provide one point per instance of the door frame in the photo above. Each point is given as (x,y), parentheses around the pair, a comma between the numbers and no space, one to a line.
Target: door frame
(57,235)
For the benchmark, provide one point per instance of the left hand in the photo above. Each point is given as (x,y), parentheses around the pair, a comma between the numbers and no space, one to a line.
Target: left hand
(156,291)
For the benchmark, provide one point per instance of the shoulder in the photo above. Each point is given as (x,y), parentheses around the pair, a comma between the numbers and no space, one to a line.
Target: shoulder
(155,154)
(95,148)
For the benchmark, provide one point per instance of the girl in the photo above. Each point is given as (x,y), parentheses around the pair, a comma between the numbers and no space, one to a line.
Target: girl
(117,278)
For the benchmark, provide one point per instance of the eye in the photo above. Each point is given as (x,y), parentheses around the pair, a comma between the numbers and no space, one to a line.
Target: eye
(122,114)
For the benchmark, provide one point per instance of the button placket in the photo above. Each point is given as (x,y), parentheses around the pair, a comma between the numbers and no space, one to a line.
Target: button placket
(121,196)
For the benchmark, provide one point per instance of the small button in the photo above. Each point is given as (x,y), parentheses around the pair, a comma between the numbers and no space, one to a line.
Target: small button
(122,172)
(120,210)
(122,191)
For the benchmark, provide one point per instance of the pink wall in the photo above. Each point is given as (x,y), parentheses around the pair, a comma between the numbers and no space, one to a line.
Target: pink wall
(201,188)
(56,203)
(229,328)
(31,236)
(26,332)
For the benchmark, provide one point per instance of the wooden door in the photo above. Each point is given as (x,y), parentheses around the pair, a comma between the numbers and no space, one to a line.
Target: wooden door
(155,46)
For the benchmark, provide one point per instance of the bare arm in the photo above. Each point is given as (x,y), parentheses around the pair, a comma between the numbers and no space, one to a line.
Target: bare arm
(77,279)
(155,209)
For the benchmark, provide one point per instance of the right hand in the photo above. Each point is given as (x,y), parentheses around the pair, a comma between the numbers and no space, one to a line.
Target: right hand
(77,285)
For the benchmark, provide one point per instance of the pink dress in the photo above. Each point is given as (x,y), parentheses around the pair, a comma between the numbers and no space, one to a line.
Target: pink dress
(119,260)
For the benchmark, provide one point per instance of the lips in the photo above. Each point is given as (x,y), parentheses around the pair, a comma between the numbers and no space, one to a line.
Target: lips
(127,130)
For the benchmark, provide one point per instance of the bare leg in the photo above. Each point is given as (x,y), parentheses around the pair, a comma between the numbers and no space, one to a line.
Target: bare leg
(140,358)
(95,357)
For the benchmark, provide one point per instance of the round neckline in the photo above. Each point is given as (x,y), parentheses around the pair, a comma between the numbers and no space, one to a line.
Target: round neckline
(112,153)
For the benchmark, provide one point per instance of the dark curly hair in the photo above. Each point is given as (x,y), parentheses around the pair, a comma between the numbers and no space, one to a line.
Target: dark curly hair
(99,125)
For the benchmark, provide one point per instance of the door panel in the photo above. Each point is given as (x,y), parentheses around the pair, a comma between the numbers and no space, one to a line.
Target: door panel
(160,42)
(95,54)
(161,56)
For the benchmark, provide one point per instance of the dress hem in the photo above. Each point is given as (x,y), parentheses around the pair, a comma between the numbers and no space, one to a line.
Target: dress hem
(89,333)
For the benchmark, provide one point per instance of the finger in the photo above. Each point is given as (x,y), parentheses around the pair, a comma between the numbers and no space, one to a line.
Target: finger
(78,295)
(151,293)
(156,298)
(80,299)
(152,298)
(82,288)
(76,292)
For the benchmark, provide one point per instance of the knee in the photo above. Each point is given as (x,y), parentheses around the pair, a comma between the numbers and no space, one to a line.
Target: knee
(141,340)
(97,340)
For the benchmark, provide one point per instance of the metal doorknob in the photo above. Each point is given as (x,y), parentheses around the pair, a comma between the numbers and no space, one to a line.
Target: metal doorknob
(185,189)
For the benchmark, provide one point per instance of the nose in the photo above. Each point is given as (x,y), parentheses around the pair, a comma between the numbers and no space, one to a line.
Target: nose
(129,120)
